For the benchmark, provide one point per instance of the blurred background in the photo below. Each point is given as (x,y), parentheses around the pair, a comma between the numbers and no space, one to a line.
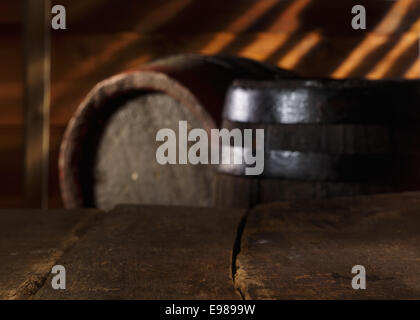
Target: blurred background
(103,37)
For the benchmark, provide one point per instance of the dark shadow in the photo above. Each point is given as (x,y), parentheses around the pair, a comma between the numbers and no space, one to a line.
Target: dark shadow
(205,16)
(108,15)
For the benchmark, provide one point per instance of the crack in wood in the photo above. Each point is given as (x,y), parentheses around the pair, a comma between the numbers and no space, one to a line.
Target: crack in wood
(236,250)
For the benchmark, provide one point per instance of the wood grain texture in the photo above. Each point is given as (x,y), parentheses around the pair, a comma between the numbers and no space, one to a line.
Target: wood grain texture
(126,170)
(31,241)
(153,253)
(306,250)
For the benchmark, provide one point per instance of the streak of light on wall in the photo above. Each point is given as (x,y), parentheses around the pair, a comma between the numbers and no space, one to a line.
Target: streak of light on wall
(414,71)
(292,58)
(406,41)
(375,39)
(264,45)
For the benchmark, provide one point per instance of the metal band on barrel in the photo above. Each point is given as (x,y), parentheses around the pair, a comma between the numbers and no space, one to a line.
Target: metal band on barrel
(296,165)
(323,101)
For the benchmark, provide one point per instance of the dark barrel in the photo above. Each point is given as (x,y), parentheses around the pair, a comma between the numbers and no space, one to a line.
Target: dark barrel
(324,138)
(108,153)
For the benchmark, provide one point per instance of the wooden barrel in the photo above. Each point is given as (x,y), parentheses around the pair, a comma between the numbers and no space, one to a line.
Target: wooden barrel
(324,138)
(108,153)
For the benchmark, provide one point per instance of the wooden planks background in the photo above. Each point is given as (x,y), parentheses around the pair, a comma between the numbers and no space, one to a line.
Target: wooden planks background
(312,37)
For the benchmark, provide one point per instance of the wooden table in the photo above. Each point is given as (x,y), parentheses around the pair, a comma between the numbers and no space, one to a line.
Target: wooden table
(290,250)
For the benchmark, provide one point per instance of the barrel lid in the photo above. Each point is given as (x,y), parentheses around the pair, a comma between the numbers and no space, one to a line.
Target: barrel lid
(289,101)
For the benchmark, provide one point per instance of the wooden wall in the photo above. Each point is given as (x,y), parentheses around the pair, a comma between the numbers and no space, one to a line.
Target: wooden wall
(312,37)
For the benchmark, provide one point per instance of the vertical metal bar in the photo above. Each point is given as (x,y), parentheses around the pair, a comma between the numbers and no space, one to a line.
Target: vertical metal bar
(37,100)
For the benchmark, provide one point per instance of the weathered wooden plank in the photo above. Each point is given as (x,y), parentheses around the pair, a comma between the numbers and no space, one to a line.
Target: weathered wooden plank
(306,250)
(10,12)
(31,241)
(146,252)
